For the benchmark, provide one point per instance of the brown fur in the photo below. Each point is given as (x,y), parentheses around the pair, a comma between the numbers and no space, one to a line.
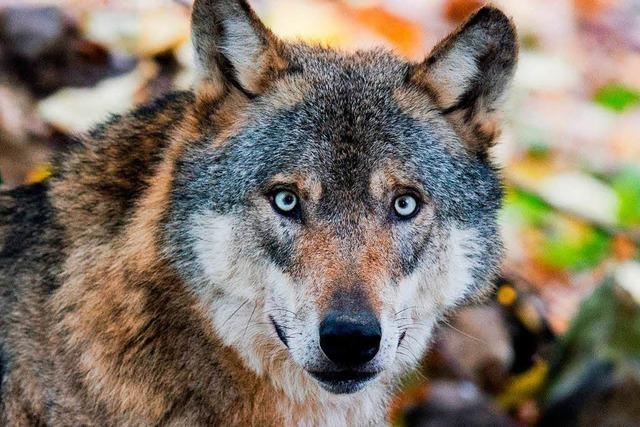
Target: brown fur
(339,270)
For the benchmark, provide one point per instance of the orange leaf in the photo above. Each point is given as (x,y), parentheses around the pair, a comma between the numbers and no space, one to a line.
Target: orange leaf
(457,11)
(406,35)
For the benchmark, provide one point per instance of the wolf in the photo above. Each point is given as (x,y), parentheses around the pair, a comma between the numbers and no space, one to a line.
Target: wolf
(273,247)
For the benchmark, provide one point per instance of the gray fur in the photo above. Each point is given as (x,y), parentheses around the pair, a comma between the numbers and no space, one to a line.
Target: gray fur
(346,128)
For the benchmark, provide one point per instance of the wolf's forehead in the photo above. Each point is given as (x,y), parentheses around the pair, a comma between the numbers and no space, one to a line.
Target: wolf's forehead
(349,125)
(358,79)
(327,64)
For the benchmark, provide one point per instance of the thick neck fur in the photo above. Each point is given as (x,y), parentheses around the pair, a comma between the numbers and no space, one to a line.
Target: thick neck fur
(132,344)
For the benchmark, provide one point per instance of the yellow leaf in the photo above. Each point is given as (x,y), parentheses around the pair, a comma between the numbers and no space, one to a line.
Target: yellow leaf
(38,174)
(506,295)
(524,386)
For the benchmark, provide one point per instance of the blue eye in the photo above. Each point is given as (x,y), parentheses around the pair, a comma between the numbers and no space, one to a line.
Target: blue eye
(285,201)
(405,206)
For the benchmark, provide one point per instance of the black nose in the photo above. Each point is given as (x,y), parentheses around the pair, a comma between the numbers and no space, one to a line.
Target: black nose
(349,339)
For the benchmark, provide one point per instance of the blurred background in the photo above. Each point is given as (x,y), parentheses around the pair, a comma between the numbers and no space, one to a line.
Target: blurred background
(559,342)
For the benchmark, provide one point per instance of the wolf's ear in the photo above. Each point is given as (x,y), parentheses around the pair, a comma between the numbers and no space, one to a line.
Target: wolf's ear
(232,44)
(469,72)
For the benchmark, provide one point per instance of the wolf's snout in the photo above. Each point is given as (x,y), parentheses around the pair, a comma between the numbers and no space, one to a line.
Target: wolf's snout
(350,340)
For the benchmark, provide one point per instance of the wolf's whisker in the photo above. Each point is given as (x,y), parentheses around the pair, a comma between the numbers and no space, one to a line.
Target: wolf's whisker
(285,327)
(418,327)
(464,333)
(421,323)
(235,312)
(282,309)
(405,348)
(405,309)
(408,356)
(411,324)
(249,321)
(415,340)
(404,318)
(406,325)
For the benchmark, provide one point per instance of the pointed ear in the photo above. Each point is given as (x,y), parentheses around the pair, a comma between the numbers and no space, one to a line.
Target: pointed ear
(469,73)
(232,45)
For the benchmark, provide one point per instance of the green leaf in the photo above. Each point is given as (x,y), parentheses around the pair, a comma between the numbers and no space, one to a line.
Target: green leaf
(568,243)
(539,150)
(617,97)
(528,207)
(566,250)
(626,184)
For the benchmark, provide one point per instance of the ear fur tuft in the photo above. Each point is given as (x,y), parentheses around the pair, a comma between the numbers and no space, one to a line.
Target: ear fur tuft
(469,72)
(232,45)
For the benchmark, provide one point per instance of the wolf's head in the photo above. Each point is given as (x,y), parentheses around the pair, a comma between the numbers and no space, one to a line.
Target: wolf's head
(340,203)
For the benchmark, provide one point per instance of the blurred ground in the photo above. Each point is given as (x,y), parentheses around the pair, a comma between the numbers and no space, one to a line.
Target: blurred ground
(559,343)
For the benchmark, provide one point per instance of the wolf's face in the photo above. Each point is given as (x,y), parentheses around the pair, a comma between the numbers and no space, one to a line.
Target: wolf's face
(348,203)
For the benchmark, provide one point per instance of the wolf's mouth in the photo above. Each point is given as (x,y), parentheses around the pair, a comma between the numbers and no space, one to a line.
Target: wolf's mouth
(279,331)
(343,382)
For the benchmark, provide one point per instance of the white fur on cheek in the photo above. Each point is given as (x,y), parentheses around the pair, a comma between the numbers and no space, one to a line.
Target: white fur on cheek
(438,284)
(463,242)
(230,289)
(416,314)
(219,256)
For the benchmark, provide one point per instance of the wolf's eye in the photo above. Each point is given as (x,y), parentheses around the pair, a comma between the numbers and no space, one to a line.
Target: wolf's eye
(406,206)
(285,202)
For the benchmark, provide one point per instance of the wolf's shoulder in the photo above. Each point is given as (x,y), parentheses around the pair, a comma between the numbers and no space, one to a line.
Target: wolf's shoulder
(145,116)
(28,229)
(31,244)
(126,140)
(100,179)
(23,210)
